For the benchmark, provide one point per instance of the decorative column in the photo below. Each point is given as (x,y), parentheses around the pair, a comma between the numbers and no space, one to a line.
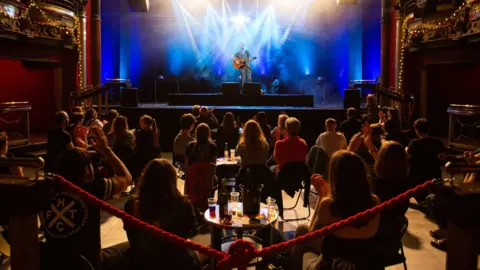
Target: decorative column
(82,48)
(96,47)
(385,46)
(398,48)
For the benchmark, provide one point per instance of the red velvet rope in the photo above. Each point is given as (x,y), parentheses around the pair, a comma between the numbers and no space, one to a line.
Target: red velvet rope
(240,252)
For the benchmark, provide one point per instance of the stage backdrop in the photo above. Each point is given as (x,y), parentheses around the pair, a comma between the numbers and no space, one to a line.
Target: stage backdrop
(192,41)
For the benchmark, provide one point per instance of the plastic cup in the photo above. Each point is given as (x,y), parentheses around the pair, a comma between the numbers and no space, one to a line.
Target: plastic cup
(212,205)
(232,154)
(272,211)
(234,196)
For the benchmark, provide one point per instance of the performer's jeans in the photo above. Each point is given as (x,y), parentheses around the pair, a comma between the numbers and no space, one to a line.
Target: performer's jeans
(246,75)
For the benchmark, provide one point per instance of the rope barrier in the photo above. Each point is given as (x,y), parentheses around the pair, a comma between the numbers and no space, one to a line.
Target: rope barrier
(241,252)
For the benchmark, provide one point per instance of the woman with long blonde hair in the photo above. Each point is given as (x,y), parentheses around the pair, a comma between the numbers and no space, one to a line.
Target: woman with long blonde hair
(253,147)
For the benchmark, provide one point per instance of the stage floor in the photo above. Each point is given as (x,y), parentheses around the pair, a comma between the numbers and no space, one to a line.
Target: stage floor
(329,106)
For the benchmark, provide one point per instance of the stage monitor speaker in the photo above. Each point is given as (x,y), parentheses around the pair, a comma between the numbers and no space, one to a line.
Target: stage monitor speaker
(351,98)
(139,5)
(252,89)
(129,97)
(230,88)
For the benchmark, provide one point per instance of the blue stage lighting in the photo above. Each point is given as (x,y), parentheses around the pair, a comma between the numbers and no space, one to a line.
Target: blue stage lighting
(240,21)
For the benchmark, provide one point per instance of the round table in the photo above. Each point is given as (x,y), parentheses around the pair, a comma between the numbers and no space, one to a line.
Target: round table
(227,168)
(239,224)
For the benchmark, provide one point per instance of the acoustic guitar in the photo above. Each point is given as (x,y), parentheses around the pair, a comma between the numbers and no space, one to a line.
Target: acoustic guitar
(240,63)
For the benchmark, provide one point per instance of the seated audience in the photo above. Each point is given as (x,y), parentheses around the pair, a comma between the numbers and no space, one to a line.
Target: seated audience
(58,142)
(391,168)
(78,109)
(382,115)
(331,140)
(261,119)
(371,108)
(91,119)
(159,203)
(196,111)
(253,147)
(424,157)
(111,116)
(9,170)
(280,131)
(202,149)
(352,247)
(122,139)
(208,117)
(351,126)
(293,148)
(228,133)
(393,126)
(79,132)
(147,139)
(363,151)
(187,122)
(72,226)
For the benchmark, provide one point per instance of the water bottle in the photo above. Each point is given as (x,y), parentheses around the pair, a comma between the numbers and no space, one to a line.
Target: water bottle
(225,151)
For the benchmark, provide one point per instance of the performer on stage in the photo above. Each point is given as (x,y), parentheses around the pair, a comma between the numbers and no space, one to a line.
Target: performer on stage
(242,60)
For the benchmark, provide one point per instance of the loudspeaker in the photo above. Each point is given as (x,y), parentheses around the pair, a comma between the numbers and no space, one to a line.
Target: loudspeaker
(129,97)
(252,89)
(230,88)
(351,98)
(139,5)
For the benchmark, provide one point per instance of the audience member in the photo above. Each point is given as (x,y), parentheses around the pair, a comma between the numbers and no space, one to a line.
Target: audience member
(202,149)
(371,108)
(9,170)
(351,126)
(91,119)
(280,131)
(58,142)
(253,147)
(159,203)
(77,109)
(79,132)
(187,122)
(391,168)
(72,226)
(382,115)
(196,111)
(293,148)
(330,140)
(352,247)
(122,138)
(111,116)
(228,133)
(262,121)
(147,142)
(393,126)
(208,117)
(424,157)
(363,151)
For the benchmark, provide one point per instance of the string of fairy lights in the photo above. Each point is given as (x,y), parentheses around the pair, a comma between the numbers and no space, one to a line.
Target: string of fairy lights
(59,25)
(425,28)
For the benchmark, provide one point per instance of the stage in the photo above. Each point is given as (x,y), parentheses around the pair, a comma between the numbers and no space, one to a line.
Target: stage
(168,117)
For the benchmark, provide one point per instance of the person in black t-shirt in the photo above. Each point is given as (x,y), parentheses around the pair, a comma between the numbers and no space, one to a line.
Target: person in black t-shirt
(59,140)
(72,227)
(147,139)
(351,126)
(266,128)
(424,157)
(227,133)
(208,117)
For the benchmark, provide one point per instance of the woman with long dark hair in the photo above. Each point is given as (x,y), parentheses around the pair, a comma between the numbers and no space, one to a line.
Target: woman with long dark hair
(350,194)
(227,133)
(261,118)
(159,203)
(393,126)
(120,136)
(253,147)
(202,149)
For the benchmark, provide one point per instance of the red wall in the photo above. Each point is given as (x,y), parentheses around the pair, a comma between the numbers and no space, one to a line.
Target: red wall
(33,85)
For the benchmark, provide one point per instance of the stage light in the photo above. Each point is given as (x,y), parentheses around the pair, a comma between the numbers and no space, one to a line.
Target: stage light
(240,21)
(346,2)
(307,71)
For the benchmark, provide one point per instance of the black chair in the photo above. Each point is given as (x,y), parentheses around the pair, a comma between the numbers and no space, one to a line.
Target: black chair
(390,243)
(292,177)
(262,175)
(317,161)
